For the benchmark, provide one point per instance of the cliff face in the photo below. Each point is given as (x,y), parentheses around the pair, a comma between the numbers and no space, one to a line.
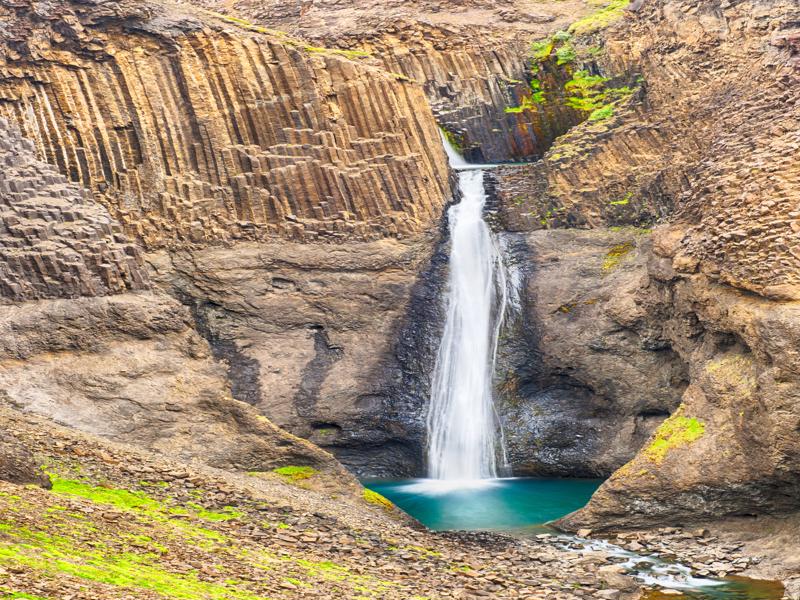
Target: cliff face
(708,145)
(55,241)
(471,59)
(200,131)
(193,136)
(202,142)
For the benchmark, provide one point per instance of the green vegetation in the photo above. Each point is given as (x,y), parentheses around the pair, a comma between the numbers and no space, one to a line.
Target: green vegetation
(608,11)
(674,432)
(588,93)
(624,201)
(602,113)
(123,499)
(294,473)
(529,102)
(615,255)
(540,50)
(378,500)
(455,140)
(565,55)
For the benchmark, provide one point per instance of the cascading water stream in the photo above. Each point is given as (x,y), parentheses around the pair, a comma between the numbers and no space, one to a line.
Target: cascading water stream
(462,426)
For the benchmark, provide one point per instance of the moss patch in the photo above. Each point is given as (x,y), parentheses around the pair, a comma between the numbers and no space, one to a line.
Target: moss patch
(295,473)
(616,255)
(608,11)
(674,432)
(378,500)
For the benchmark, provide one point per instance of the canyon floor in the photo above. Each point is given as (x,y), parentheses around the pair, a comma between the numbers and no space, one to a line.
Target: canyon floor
(123,523)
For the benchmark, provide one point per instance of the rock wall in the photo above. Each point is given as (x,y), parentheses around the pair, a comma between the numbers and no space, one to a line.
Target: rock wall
(197,130)
(55,241)
(322,340)
(733,446)
(230,153)
(86,340)
(708,145)
(472,59)
(579,391)
(130,367)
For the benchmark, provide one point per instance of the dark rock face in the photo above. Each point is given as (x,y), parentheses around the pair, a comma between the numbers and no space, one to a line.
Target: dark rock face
(578,390)
(333,343)
(17,464)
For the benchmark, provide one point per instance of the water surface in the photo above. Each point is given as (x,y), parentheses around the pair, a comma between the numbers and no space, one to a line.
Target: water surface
(490,504)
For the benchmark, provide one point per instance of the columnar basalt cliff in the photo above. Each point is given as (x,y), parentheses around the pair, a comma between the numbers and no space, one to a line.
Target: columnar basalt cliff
(210,140)
(199,130)
(56,242)
(471,59)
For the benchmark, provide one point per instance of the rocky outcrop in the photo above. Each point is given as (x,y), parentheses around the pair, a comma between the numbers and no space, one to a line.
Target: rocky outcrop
(130,367)
(733,446)
(191,129)
(55,241)
(85,340)
(328,342)
(719,291)
(17,464)
(579,391)
(211,142)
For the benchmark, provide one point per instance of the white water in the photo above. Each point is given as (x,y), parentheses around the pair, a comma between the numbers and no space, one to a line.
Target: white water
(462,428)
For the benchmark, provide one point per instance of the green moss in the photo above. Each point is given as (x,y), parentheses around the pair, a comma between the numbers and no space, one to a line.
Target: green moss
(600,114)
(608,12)
(541,50)
(123,499)
(586,91)
(562,36)
(8,595)
(565,55)
(624,201)
(615,255)
(295,473)
(676,431)
(376,499)
(455,141)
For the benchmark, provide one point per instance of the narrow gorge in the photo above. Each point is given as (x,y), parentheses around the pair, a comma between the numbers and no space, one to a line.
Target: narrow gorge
(400,299)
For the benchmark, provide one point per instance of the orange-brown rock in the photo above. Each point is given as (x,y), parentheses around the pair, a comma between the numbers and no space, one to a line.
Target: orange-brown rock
(471,58)
(192,129)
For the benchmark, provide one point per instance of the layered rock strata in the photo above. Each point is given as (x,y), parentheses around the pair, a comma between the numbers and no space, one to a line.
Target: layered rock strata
(199,131)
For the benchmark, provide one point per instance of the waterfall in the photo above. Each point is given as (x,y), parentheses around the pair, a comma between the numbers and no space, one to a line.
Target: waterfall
(462,426)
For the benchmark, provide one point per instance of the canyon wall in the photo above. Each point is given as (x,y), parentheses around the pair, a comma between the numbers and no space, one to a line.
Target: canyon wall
(88,343)
(706,144)
(257,212)
(204,131)
(470,58)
